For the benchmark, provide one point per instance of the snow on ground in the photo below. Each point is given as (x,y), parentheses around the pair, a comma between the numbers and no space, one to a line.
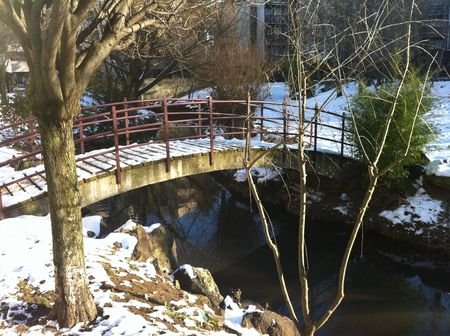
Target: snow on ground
(26,256)
(328,101)
(420,208)
(345,206)
(439,116)
(438,152)
(261,175)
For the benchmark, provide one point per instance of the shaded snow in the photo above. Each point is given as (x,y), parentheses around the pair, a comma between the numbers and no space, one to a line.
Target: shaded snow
(438,168)
(420,208)
(344,208)
(261,174)
(92,224)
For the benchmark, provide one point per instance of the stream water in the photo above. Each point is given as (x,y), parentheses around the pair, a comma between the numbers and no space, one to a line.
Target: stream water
(391,288)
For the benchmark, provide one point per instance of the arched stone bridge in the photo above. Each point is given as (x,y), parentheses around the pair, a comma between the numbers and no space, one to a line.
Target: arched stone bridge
(127,145)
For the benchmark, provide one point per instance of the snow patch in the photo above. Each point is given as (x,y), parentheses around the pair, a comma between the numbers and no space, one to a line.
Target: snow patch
(92,224)
(152,227)
(129,226)
(420,208)
(188,269)
(261,175)
(439,168)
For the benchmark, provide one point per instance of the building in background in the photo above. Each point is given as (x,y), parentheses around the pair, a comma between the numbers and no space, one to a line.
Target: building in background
(263,25)
(265,22)
(435,31)
(17,71)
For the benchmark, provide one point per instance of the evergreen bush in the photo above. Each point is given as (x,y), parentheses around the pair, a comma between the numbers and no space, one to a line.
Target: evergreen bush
(371,108)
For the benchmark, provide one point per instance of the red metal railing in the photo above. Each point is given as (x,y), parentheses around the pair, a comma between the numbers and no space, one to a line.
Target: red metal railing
(129,124)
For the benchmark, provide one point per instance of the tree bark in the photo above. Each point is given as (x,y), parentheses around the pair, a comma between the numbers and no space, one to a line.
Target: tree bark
(3,89)
(74,302)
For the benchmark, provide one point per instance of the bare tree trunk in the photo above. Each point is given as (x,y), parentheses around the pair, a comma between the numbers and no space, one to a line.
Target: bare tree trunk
(74,302)
(3,89)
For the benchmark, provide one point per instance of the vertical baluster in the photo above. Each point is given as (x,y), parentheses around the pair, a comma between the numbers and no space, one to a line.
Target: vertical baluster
(116,144)
(199,129)
(316,117)
(248,142)
(166,132)
(343,135)
(81,126)
(284,121)
(211,131)
(262,122)
(127,135)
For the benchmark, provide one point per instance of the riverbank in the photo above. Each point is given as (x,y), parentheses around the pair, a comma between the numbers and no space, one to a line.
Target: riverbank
(417,214)
(133,297)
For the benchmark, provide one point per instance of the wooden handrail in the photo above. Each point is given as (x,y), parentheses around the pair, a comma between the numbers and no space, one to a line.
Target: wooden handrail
(123,120)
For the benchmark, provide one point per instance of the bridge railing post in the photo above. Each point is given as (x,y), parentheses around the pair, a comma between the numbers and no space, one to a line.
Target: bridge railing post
(81,126)
(166,132)
(342,135)
(199,118)
(285,121)
(32,130)
(211,131)
(248,143)
(316,117)
(262,123)
(127,135)
(116,144)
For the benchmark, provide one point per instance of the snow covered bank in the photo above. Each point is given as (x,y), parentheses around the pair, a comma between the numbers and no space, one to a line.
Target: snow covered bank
(132,297)
(417,211)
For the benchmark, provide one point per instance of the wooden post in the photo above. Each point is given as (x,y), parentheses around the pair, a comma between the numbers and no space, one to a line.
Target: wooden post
(343,135)
(248,142)
(211,131)
(199,129)
(316,116)
(284,130)
(262,123)
(166,132)
(31,130)
(284,121)
(127,135)
(116,144)
(81,137)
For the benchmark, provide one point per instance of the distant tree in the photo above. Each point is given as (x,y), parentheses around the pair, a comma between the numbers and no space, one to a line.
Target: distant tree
(175,51)
(64,43)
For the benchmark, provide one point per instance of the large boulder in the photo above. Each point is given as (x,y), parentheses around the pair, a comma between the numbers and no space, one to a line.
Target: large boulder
(270,323)
(157,245)
(198,280)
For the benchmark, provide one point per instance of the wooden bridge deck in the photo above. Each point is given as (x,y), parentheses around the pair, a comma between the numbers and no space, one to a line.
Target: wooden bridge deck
(93,168)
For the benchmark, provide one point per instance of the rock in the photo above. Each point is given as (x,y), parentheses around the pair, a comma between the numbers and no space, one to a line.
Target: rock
(198,280)
(143,249)
(270,323)
(128,227)
(442,182)
(159,247)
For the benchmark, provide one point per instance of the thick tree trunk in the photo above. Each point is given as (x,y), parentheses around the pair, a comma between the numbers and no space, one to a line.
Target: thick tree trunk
(3,88)
(74,303)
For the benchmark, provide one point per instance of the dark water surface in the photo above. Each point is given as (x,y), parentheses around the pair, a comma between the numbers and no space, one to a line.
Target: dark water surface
(391,288)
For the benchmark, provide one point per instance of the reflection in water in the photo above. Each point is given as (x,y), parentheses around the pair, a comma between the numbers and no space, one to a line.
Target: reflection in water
(213,228)
(383,297)
(389,291)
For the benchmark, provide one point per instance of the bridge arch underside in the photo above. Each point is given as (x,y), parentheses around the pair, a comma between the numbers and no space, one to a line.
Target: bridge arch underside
(104,185)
